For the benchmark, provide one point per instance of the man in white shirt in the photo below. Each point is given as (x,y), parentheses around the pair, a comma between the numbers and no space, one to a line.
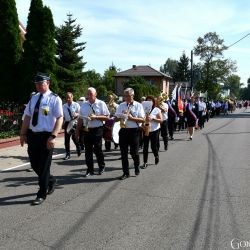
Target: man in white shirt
(164,125)
(71,111)
(131,115)
(43,117)
(93,113)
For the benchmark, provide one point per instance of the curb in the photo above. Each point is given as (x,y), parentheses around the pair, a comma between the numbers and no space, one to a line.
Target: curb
(14,141)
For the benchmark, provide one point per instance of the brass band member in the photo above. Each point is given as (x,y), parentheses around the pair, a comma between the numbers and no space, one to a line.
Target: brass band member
(172,116)
(155,118)
(43,117)
(71,111)
(191,117)
(132,115)
(112,106)
(164,125)
(92,114)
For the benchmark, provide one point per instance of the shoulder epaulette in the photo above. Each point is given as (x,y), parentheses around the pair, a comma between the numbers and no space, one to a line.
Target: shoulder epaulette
(54,94)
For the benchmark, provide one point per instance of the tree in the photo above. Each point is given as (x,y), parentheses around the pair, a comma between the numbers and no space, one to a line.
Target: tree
(69,63)
(182,72)
(213,68)
(170,67)
(141,87)
(233,84)
(10,50)
(39,47)
(108,78)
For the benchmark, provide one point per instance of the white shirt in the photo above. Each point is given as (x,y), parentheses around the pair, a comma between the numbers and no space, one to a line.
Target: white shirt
(165,114)
(136,110)
(49,110)
(202,106)
(98,108)
(153,124)
(74,108)
(217,105)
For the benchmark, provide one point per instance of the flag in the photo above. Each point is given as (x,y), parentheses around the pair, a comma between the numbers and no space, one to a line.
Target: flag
(178,99)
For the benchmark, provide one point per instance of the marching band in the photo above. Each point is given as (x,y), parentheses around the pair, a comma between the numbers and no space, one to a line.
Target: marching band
(130,125)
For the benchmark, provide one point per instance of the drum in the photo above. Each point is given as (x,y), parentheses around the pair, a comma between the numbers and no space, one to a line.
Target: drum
(71,128)
(107,133)
(115,132)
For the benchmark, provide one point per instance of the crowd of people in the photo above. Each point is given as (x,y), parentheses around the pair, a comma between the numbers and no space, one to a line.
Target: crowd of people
(90,120)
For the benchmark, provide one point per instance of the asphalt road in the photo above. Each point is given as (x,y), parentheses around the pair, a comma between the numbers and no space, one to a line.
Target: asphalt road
(198,197)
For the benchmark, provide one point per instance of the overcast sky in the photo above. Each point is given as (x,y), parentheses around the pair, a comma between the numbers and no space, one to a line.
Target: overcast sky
(147,32)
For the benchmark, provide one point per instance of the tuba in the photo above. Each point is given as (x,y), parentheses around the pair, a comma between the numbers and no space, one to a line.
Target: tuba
(161,98)
(111,103)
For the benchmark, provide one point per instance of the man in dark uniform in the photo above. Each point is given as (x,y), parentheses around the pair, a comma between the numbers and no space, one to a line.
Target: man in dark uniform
(42,122)
(172,116)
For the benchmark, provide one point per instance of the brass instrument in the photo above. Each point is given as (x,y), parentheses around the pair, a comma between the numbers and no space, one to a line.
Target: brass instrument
(161,98)
(124,120)
(86,120)
(111,103)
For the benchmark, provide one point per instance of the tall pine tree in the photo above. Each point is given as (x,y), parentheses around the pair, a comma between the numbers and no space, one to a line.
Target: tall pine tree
(10,50)
(39,47)
(69,63)
(182,72)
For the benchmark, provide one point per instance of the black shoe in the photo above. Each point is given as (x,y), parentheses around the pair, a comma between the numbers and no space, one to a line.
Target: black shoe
(171,138)
(79,152)
(124,176)
(66,157)
(190,138)
(156,160)
(51,188)
(144,165)
(166,147)
(37,201)
(101,171)
(89,174)
(137,171)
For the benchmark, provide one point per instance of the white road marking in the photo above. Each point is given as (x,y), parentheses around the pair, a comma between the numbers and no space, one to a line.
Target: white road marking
(26,164)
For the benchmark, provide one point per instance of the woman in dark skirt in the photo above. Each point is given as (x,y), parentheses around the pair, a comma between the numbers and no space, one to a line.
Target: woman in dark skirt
(191,117)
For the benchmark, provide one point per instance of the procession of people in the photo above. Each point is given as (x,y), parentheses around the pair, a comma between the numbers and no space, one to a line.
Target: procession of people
(92,123)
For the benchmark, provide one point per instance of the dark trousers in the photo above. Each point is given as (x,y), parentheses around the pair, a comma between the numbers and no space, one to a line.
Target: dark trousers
(93,144)
(67,139)
(40,159)
(201,121)
(129,137)
(164,133)
(171,123)
(108,145)
(153,138)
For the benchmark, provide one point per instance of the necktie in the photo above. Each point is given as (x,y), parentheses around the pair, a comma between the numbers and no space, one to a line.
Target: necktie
(36,111)
(71,117)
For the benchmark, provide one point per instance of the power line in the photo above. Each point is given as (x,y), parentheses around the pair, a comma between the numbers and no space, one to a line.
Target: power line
(238,40)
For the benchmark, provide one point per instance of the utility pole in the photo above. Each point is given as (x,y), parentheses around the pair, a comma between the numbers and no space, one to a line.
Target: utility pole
(192,74)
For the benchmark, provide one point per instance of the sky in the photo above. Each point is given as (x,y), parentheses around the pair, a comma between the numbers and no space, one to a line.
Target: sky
(148,32)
